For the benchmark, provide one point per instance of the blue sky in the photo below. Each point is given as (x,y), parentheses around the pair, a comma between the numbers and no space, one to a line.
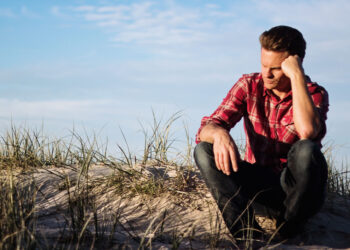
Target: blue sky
(101,65)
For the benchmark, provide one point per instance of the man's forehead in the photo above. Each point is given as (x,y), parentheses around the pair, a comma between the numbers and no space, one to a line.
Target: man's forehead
(275,53)
(274,57)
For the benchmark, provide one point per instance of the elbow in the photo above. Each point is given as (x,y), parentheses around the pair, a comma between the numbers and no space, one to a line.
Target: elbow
(306,134)
(309,132)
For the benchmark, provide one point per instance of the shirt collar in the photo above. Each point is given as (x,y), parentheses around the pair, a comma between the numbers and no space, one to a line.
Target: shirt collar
(269,91)
(271,94)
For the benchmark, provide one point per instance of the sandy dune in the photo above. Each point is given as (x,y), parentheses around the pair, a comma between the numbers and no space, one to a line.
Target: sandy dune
(173,219)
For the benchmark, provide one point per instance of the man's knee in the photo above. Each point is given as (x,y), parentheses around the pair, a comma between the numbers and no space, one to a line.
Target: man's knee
(203,148)
(303,149)
(203,155)
(305,155)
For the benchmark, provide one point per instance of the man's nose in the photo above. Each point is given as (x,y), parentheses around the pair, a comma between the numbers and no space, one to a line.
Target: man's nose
(269,74)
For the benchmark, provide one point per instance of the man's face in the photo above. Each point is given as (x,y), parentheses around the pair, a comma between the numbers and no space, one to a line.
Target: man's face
(271,70)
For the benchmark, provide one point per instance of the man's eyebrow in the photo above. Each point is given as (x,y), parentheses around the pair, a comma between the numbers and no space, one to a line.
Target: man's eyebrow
(279,67)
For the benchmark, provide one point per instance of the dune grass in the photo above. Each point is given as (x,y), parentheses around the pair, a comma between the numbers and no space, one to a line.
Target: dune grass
(23,151)
(338,176)
(18,222)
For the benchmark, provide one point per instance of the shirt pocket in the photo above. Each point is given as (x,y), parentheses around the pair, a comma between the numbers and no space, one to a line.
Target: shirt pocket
(288,126)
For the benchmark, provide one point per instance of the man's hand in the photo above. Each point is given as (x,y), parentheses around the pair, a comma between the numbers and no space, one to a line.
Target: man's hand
(292,66)
(225,152)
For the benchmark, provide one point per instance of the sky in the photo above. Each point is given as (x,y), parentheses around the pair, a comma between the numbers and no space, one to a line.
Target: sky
(105,65)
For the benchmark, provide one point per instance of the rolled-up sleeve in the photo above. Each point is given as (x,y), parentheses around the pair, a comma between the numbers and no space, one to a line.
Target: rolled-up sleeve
(231,109)
(321,101)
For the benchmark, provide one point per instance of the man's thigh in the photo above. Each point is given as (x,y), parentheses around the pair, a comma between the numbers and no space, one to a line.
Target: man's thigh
(253,181)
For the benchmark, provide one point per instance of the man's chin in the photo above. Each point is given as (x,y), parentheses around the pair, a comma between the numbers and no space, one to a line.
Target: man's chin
(270,85)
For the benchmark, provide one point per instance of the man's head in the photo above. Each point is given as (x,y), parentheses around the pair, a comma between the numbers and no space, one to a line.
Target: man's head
(276,45)
(284,39)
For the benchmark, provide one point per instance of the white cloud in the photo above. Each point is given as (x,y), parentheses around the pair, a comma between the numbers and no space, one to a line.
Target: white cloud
(23,11)
(6,12)
(60,12)
(320,14)
(148,23)
(28,13)
(85,8)
(70,110)
(55,10)
(212,6)
(58,109)
(156,23)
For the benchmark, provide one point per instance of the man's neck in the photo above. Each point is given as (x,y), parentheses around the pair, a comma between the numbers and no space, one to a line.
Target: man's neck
(283,89)
(280,94)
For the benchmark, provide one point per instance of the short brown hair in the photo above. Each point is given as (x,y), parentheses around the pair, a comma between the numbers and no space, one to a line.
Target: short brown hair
(284,38)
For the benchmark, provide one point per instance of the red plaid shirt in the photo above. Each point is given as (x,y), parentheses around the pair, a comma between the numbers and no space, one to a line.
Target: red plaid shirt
(268,122)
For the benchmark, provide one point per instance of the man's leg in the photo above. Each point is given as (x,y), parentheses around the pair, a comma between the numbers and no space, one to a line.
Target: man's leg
(224,190)
(304,182)
(232,193)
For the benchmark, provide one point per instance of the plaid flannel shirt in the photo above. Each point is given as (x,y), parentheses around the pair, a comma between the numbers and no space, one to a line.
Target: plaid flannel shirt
(268,121)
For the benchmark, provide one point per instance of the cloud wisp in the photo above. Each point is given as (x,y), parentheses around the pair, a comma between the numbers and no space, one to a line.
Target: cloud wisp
(7,13)
(23,11)
(71,110)
(55,109)
(149,23)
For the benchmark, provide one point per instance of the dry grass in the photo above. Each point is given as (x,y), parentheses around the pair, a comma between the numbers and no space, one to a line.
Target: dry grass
(338,176)
(87,224)
(18,222)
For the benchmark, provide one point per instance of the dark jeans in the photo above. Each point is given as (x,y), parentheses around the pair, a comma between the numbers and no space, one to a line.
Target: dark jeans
(296,194)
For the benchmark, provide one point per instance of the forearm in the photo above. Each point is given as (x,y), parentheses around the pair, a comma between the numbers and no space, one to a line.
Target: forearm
(212,132)
(306,118)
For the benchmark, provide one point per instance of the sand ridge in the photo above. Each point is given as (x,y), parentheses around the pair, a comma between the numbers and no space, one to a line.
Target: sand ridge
(190,220)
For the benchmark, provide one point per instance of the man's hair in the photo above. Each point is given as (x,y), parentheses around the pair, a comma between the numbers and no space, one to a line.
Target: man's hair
(284,38)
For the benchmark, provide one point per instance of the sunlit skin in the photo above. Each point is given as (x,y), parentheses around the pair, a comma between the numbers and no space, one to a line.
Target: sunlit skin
(272,73)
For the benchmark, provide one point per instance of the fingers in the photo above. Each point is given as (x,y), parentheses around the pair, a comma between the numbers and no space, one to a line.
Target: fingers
(291,65)
(225,153)
(222,162)
(217,160)
(226,160)
(234,160)
(226,163)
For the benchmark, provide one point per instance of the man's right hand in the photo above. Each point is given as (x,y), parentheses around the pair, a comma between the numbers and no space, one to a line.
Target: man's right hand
(225,152)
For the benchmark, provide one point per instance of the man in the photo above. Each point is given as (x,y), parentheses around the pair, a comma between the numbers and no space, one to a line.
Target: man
(284,120)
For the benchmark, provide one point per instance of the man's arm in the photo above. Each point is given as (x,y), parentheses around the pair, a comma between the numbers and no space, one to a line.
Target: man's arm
(225,150)
(306,118)
(215,129)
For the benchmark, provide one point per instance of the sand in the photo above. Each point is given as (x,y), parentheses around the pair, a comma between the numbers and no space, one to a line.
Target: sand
(184,219)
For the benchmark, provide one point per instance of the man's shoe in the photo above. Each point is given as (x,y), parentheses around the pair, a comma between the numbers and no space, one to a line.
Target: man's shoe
(289,229)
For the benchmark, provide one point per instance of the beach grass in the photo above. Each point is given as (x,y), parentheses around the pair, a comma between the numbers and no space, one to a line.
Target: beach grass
(23,152)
